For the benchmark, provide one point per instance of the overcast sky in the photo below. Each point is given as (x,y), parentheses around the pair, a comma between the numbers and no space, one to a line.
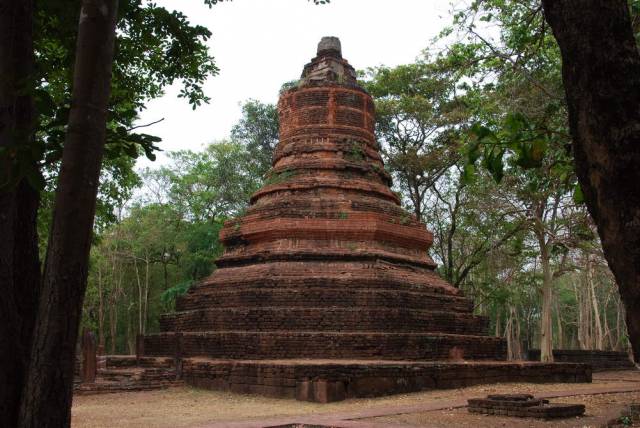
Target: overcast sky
(260,44)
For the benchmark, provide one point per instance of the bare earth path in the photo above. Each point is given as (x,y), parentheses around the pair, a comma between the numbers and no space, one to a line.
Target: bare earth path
(186,407)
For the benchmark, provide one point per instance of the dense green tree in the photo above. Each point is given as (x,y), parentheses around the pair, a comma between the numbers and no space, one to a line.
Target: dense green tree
(213,184)
(258,130)
(167,241)
(599,71)
(417,115)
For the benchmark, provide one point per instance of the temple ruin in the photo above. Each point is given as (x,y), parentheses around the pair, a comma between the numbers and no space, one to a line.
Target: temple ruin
(325,289)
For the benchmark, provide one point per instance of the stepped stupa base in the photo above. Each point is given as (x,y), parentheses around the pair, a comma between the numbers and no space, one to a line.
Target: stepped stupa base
(327,381)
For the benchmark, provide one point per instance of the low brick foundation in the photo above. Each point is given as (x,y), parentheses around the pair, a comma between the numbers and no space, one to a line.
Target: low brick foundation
(523,406)
(126,373)
(327,381)
(599,360)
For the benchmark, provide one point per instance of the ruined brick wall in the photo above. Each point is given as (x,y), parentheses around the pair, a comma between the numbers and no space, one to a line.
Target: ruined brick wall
(598,360)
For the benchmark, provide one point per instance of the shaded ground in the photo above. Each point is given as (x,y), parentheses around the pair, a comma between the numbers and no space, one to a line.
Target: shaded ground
(186,407)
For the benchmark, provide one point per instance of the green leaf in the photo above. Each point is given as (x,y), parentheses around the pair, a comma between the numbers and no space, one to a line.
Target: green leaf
(469,173)
(474,153)
(481,132)
(515,122)
(538,149)
(496,166)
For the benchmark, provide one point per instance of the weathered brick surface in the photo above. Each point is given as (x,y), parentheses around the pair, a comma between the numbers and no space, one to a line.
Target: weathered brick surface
(332,381)
(316,296)
(330,344)
(324,319)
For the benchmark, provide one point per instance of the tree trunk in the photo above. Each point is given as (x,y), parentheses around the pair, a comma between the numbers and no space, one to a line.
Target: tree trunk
(20,282)
(47,392)
(546,333)
(135,265)
(165,274)
(113,323)
(608,339)
(19,258)
(601,75)
(101,340)
(598,335)
(512,334)
(583,314)
(116,278)
(559,333)
(621,333)
(131,334)
(146,294)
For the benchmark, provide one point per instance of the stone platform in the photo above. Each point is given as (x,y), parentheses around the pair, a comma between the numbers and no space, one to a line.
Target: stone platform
(334,380)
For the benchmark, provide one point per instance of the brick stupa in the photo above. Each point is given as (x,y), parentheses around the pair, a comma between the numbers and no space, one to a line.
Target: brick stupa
(325,289)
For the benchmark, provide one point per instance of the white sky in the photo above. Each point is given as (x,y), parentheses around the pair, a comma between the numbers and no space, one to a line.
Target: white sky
(260,44)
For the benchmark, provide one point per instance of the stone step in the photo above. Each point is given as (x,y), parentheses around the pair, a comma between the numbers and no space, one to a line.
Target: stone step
(348,297)
(325,319)
(327,345)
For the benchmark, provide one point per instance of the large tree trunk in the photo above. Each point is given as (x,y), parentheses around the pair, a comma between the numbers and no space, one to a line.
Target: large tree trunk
(19,259)
(601,75)
(20,285)
(47,393)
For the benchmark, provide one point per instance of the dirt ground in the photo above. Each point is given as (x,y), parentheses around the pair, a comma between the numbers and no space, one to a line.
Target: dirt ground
(187,407)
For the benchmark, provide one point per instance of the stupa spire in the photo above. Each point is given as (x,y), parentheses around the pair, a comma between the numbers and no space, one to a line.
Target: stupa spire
(328,66)
(330,45)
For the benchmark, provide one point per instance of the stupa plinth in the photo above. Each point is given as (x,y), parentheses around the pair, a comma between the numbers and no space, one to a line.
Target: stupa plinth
(325,278)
